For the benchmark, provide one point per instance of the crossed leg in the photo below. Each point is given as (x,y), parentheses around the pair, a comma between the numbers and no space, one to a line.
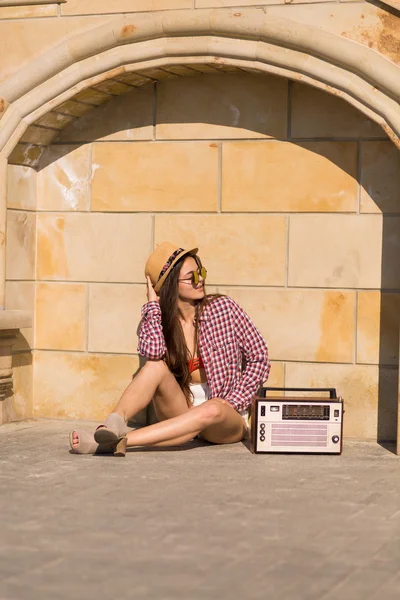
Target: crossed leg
(215,419)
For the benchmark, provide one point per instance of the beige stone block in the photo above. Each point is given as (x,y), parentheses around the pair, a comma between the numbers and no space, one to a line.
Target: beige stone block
(276,376)
(60,320)
(128,117)
(114,317)
(26,154)
(378,326)
(222,106)
(19,406)
(20,295)
(91,384)
(172,176)
(23,40)
(96,7)
(93,247)
(38,135)
(56,120)
(157,74)
(137,79)
(20,246)
(73,108)
(380,177)
(359,386)
(26,12)
(64,179)
(178,70)
(236,250)
(323,177)
(319,114)
(335,251)
(302,325)
(115,88)
(21,187)
(91,96)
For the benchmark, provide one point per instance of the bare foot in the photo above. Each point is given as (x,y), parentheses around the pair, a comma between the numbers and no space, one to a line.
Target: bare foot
(75,439)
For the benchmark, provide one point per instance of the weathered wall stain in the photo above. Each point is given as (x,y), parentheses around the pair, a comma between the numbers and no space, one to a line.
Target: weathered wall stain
(389,36)
(51,250)
(333,325)
(128,30)
(384,36)
(23,231)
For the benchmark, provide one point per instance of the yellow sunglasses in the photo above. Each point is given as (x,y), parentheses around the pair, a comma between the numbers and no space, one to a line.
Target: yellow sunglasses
(194,277)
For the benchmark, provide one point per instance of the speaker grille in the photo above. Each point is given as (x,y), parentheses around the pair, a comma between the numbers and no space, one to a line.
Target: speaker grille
(299,434)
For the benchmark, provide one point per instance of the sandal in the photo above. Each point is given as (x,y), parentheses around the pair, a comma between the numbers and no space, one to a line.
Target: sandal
(112,431)
(88,445)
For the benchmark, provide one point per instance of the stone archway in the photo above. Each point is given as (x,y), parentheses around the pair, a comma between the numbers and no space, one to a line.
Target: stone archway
(131,51)
(248,39)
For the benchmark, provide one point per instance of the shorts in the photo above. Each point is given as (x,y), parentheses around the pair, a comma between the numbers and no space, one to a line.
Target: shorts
(201,393)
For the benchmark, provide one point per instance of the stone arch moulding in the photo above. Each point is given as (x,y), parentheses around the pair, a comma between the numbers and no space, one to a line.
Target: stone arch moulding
(250,39)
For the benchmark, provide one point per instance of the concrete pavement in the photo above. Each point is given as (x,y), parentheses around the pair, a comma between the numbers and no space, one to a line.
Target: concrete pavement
(198,522)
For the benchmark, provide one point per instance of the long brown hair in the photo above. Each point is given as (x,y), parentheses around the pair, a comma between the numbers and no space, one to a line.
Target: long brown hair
(177,354)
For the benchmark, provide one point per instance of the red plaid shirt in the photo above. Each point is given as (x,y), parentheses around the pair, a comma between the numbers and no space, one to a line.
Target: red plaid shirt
(226,336)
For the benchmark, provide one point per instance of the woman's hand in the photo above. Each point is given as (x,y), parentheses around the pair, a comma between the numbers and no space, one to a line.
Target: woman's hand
(223,401)
(151,294)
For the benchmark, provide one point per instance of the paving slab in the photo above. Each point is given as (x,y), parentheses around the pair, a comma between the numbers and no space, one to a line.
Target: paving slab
(201,521)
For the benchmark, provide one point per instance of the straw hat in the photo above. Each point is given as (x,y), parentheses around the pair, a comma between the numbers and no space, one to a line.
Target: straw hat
(161,261)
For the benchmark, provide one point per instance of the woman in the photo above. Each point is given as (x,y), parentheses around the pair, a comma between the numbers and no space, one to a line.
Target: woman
(195,345)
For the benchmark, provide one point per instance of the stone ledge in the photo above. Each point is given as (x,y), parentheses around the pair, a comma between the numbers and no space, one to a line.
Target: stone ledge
(15,319)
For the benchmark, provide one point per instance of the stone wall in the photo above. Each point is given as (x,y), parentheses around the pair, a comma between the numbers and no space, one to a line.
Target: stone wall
(290,193)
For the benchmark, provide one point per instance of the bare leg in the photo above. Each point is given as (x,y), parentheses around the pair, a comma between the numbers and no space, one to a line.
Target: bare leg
(154,376)
(216,421)
(153,379)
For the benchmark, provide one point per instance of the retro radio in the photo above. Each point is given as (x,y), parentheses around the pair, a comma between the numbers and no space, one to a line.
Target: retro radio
(303,424)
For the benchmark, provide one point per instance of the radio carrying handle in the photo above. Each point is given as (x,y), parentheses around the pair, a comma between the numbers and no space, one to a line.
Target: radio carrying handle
(262,392)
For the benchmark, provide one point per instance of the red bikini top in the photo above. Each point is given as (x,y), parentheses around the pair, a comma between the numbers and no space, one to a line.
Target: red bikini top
(195,363)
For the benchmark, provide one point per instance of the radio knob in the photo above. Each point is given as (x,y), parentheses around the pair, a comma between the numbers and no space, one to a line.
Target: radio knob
(335,439)
(262,438)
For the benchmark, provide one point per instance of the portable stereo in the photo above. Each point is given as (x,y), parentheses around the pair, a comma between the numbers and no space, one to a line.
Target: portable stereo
(303,424)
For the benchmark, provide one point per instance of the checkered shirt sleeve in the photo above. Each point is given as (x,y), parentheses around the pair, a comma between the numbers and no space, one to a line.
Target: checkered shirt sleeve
(151,337)
(255,351)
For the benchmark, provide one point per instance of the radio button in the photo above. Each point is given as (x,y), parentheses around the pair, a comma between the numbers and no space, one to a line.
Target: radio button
(262,438)
(262,425)
(335,439)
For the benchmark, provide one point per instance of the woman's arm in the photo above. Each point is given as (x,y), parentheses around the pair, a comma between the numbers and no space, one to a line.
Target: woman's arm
(151,337)
(255,351)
